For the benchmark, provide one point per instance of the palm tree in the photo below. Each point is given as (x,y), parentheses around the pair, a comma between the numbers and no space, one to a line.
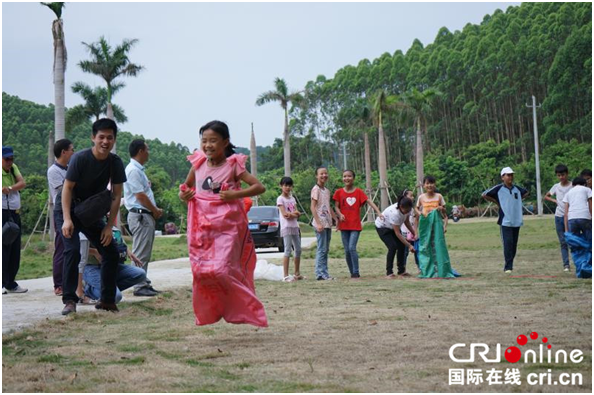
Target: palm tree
(281,95)
(418,105)
(60,58)
(95,106)
(110,64)
(382,102)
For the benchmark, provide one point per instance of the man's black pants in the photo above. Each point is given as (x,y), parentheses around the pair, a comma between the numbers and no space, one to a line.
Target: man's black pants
(395,249)
(11,254)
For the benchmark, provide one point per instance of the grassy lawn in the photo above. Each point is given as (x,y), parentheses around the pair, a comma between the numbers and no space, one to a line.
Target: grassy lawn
(372,335)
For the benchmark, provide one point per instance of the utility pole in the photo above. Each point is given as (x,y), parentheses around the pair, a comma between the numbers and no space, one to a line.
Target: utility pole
(254,160)
(536,155)
(344,160)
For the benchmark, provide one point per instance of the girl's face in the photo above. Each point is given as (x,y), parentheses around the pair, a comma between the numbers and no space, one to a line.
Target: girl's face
(322,176)
(410,195)
(347,178)
(213,145)
(429,187)
(286,189)
(405,210)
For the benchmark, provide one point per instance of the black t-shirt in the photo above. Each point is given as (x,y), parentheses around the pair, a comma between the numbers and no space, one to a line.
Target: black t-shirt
(91,175)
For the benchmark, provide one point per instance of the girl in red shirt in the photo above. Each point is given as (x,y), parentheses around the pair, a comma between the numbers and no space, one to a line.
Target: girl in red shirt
(349,200)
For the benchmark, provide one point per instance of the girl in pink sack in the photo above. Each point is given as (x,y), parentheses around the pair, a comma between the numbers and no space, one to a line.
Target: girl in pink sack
(221,248)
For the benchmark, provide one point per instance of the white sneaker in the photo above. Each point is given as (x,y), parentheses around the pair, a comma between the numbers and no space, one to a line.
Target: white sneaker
(566,269)
(508,271)
(17,290)
(4,291)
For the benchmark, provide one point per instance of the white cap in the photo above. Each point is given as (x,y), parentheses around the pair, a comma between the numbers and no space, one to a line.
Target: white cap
(507,170)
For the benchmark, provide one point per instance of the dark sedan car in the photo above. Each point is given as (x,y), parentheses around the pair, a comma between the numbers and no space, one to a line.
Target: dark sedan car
(264,224)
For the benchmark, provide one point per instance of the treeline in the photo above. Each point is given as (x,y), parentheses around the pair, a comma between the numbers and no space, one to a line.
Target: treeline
(486,75)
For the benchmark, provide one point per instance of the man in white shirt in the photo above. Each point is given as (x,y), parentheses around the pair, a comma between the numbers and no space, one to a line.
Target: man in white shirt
(142,211)
(578,209)
(559,190)
(63,150)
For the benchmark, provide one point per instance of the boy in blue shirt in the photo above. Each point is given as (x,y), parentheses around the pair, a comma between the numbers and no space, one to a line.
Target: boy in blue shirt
(509,199)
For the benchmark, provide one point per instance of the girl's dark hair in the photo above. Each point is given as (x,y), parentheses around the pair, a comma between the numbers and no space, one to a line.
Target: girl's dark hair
(222,130)
(286,181)
(403,194)
(404,202)
(352,172)
(320,167)
(586,172)
(579,181)
(429,179)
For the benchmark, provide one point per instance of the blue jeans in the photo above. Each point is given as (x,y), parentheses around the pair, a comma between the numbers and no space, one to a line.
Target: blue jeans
(128,275)
(323,239)
(581,227)
(560,228)
(349,242)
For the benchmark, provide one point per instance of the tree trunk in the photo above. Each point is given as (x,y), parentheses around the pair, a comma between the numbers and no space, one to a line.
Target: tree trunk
(59,69)
(420,174)
(382,166)
(287,146)
(367,165)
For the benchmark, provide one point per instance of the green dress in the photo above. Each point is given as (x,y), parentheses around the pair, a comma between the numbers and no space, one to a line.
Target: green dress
(434,259)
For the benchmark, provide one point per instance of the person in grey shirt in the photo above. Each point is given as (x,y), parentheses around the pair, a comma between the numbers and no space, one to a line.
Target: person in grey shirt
(142,211)
(63,150)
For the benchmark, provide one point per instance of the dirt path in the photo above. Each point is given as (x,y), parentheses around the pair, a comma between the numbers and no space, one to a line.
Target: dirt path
(40,303)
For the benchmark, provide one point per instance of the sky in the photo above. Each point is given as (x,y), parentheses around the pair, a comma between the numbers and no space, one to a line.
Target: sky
(208,61)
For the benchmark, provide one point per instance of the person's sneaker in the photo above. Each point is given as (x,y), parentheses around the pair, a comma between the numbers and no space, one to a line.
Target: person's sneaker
(329,278)
(107,307)
(70,307)
(320,278)
(508,271)
(4,292)
(58,291)
(144,292)
(153,289)
(566,269)
(17,290)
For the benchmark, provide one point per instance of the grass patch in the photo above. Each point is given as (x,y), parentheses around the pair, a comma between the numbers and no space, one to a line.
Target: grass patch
(371,335)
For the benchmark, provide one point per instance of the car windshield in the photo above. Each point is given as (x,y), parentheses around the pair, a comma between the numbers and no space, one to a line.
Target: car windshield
(259,213)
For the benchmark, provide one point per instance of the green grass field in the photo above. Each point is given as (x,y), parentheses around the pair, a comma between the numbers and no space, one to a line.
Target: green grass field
(372,335)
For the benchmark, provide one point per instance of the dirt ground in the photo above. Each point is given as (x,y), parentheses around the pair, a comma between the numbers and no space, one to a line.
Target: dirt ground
(371,335)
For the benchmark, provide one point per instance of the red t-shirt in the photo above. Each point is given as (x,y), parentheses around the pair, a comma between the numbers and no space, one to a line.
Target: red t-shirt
(350,206)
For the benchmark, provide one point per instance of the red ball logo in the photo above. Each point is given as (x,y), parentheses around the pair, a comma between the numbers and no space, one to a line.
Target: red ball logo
(522,340)
(512,354)
(534,335)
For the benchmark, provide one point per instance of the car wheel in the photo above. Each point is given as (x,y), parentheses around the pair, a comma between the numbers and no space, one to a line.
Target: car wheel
(281,247)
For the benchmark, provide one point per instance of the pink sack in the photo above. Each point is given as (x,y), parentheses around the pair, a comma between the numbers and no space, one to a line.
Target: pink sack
(223,260)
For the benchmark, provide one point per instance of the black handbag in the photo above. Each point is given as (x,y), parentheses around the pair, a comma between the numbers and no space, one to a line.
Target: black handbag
(10,230)
(95,207)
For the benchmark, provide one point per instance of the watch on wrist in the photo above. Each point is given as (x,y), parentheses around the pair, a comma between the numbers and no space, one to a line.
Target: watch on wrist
(9,189)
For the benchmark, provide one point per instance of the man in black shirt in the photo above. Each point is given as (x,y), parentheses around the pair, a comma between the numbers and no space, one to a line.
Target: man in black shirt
(89,172)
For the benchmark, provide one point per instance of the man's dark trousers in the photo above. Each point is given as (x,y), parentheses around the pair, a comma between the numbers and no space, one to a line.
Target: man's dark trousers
(11,254)
(509,237)
(109,261)
(58,265)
